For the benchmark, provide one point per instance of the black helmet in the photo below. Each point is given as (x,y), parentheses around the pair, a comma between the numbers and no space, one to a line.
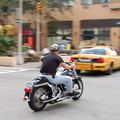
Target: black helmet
(54,47)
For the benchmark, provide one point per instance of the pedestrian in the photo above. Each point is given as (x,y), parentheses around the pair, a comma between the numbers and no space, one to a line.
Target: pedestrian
(50,63)
(73,51)
(11,52)
(45,51)
(32,53)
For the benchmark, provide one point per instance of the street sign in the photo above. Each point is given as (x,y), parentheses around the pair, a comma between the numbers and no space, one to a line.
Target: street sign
(118,23)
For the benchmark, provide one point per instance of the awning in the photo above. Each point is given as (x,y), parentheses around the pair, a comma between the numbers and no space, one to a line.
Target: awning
(1,30)
(8,27)
(10,30)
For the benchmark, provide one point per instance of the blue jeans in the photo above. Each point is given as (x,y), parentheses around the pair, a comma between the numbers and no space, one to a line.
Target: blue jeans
(67,80)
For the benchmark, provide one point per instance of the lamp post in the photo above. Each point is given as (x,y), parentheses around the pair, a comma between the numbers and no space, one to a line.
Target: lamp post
(38,33)
(20,58)
(38,9)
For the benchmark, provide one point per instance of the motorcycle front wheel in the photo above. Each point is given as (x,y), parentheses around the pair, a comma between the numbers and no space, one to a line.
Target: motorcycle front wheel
(35,102)
(78,86)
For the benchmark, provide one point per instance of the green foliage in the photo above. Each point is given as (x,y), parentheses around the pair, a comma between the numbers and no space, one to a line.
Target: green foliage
(24,49)
(46,4)
(5,42)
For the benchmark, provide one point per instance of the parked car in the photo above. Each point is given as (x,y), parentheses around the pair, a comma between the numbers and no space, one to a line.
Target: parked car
(97,58)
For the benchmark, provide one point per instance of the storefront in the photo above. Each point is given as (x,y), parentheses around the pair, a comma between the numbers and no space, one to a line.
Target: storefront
(98,31)
(7,30)
(1,30)
(29,36)
(60,32)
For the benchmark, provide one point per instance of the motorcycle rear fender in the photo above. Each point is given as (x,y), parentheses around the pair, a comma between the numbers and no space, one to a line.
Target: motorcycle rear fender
(43,84)
(42,81)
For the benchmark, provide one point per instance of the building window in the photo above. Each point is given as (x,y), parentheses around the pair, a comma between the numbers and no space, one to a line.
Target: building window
(59,35)
(104,34)
(88,35)
(104,1)
(100,35)
(69,3)
(59,31)
(58,3)
(29,34)
(87,1)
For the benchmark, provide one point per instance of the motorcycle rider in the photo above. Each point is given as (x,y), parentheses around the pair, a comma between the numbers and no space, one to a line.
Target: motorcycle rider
(50,63)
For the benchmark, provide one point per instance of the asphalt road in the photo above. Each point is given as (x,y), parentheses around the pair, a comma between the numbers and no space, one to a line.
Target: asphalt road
(100,99)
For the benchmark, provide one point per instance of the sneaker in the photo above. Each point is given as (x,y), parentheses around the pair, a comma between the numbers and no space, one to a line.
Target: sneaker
(74,93)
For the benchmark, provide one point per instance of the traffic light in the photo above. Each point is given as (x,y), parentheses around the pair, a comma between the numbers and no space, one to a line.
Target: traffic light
(38,6)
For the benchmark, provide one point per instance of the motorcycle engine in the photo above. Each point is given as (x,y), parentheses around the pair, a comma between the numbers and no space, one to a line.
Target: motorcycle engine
(70,73)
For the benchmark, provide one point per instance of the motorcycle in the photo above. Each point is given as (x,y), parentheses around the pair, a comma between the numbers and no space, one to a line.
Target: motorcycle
(39,92)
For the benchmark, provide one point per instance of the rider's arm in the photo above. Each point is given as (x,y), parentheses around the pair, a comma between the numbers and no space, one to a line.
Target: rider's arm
(66,66)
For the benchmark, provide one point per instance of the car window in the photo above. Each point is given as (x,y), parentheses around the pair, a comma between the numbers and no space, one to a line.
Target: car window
(112,51)
(93,51)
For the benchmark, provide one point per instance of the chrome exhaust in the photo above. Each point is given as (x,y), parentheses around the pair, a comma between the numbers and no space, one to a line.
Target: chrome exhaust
(45,101)
(60,99)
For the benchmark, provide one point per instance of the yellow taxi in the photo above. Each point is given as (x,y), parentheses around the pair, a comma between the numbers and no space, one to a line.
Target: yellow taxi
(97,58)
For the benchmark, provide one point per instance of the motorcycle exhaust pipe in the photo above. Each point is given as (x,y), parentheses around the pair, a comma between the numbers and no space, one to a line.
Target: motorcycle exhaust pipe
(45,101)
(60,99)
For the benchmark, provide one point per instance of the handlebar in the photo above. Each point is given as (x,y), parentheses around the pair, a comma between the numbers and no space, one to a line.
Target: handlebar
(69,63)
(73,69)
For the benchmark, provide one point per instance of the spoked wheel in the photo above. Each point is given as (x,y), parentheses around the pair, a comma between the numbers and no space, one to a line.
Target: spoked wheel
(78,86)
(35,102)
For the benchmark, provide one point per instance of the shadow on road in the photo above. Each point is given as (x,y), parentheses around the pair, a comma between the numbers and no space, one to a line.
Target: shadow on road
(95,73)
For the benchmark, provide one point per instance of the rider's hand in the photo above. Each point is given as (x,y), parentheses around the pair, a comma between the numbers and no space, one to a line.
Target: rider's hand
(66,66)
(73,65)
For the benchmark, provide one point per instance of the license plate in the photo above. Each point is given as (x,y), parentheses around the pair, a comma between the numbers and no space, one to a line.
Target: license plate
(84,60)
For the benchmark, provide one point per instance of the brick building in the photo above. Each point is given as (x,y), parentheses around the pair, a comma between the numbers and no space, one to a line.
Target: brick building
(87,22)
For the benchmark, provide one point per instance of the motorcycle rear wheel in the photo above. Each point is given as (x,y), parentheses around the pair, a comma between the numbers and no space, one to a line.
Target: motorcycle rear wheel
(35,103)
(78,85)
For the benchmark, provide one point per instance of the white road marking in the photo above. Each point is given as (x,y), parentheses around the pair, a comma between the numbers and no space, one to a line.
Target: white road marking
(11,70)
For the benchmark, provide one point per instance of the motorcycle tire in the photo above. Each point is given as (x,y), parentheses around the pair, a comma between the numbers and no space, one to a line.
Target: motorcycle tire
(35,103)
(78,86)
(78,71)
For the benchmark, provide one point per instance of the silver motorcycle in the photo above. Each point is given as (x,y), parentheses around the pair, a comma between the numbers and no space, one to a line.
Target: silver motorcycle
(40,91)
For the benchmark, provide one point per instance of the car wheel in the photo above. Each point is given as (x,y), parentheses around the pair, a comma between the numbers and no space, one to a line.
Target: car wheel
(109,72)
(119,68)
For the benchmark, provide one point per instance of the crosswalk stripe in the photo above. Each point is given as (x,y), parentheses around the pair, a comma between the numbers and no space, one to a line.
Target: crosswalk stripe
(11,70)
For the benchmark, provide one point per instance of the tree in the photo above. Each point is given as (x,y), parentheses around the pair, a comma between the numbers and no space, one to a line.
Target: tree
(5,43)
(30,5)
(8,7)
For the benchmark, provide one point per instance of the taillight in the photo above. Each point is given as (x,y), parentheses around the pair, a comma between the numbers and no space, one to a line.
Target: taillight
(100,60)
(27,90)
(25,98)
(72,58)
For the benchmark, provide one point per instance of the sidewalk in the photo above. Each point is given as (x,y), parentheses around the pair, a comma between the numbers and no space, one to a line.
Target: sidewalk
(38,64)
(30,65)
